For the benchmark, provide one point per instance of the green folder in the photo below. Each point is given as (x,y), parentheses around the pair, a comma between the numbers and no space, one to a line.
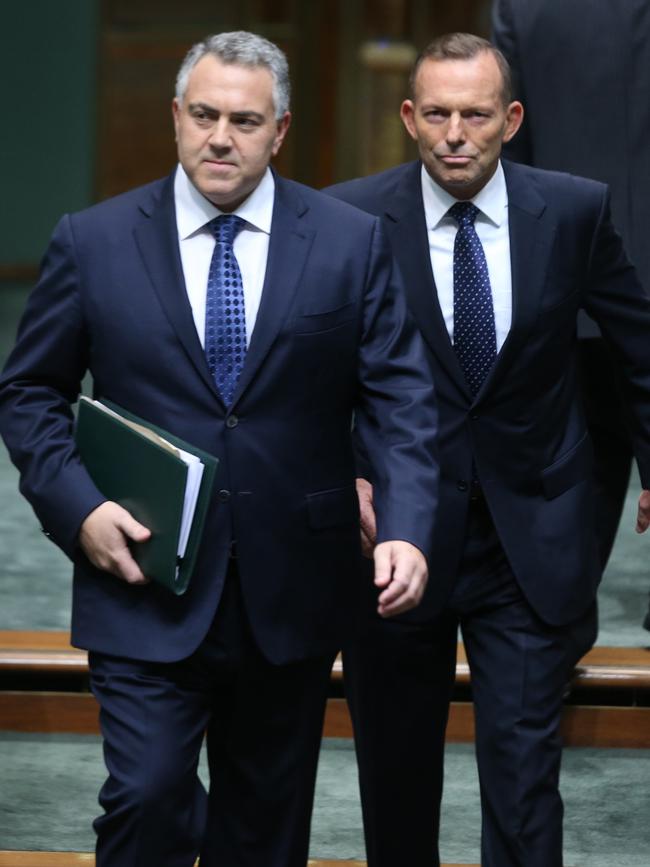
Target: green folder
(148,478)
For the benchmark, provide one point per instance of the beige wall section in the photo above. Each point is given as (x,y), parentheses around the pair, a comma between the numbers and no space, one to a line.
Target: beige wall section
(349,62)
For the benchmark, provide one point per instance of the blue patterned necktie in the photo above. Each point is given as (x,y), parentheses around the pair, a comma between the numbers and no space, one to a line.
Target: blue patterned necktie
(225,314)
(474,332)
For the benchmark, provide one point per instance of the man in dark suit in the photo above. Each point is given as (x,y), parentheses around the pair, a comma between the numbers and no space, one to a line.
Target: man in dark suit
(295,341)
(496,260)
(582,70)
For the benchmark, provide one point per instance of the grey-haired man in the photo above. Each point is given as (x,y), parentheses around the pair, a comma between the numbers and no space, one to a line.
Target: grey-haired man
(211,304)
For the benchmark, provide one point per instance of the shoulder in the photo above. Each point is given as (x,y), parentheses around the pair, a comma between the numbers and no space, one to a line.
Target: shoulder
(552,185)
(372,192)
(325,210)
(125,207)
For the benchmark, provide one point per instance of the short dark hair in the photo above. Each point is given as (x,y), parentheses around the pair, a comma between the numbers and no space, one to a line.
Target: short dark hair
(463,46)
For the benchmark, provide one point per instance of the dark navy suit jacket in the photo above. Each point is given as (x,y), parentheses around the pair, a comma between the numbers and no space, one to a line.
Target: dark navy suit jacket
(582,71)
(524,432)
(332,337)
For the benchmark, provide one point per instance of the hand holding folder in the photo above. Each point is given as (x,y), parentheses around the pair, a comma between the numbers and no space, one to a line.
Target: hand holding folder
(162,481)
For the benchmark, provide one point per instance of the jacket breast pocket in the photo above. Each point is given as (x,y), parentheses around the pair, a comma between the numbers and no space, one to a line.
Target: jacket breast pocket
(555,313)
(572,467)
(326,320)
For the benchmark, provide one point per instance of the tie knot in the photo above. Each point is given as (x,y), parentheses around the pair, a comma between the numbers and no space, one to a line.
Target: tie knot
(464,213)
(225,228)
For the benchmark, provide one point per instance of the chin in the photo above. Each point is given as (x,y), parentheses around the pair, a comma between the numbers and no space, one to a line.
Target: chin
(459,184)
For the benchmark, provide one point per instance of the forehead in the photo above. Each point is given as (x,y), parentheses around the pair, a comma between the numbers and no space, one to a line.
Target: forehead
(475,80)
(212,81)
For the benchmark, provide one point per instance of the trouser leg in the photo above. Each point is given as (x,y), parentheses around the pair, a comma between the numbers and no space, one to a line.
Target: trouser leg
(519,668)
(263,754)
(153,728)
(264,725)
(398,682)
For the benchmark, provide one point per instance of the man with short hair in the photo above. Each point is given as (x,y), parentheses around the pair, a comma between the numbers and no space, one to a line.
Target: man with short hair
(210,304)
(496,260)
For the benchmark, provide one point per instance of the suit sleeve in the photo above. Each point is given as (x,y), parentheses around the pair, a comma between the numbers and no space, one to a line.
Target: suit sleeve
(396,418)
(504,37)
(615,298)
(40,382)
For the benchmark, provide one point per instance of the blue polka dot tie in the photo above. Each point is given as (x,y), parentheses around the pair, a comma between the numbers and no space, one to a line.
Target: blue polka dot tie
(474,332)
(225,314)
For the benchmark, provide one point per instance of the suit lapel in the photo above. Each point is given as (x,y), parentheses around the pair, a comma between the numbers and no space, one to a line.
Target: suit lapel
(157,240)
(289,245)
(406,226)
(531,241)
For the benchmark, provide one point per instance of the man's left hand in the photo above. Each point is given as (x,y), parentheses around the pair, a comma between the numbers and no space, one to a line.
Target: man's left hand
(401,573)
(643,514)
(366,517)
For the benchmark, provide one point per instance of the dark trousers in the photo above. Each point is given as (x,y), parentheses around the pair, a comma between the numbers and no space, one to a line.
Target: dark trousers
(399,678)
(263,726)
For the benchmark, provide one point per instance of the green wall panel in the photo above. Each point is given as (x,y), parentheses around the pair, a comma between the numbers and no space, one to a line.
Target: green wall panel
(48,60)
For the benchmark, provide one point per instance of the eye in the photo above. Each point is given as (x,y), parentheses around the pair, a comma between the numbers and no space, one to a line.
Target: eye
(435,115)
(201,117)
(246,123)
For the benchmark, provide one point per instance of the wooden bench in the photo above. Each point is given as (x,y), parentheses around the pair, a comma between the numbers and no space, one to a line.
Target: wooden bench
(51,653)
(44,688)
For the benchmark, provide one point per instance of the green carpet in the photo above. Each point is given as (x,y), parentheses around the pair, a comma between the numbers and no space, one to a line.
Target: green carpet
(48,798)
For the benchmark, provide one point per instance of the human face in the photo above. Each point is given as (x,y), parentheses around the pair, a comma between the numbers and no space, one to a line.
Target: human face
(226,129)
(459,121)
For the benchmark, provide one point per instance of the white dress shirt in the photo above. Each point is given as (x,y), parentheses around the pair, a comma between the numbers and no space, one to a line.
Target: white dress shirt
(492,229)
(196,242)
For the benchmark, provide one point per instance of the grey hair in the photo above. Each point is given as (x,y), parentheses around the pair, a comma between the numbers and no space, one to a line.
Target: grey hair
(245,49)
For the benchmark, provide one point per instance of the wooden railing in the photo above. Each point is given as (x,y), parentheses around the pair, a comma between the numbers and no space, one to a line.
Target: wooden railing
(44,687)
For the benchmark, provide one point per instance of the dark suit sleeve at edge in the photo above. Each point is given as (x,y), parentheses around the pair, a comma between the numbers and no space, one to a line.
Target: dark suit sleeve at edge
(396,417)
(41,380)
(614,297)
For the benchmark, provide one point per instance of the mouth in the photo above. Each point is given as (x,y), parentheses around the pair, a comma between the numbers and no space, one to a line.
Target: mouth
(455,159)
(218,164)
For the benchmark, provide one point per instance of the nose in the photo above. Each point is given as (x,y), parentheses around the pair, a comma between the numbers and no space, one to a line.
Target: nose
(219,138)
(455,129)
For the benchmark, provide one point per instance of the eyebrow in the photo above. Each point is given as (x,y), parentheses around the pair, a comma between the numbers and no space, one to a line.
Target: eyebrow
(209,109)
(254,115)
(480,106)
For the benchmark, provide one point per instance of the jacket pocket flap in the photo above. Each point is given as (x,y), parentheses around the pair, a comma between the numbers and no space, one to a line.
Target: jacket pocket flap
(573,467)
(333,508)
(323,321)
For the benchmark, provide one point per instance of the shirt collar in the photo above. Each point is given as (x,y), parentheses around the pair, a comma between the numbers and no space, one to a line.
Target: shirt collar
(491,200)
(193,210)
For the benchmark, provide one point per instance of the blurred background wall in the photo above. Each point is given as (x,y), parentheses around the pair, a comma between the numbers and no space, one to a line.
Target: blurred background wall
(88,86)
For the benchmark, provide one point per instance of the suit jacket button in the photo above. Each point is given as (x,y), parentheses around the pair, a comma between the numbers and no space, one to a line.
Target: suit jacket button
(223,496)
(232,421)
(461,485)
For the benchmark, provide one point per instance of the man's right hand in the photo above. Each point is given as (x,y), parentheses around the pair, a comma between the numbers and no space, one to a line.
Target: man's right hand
(104,537)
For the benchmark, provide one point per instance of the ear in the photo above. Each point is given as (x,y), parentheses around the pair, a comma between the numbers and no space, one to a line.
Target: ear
(407,113)
(514,118)
(282,127)
(176,113)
